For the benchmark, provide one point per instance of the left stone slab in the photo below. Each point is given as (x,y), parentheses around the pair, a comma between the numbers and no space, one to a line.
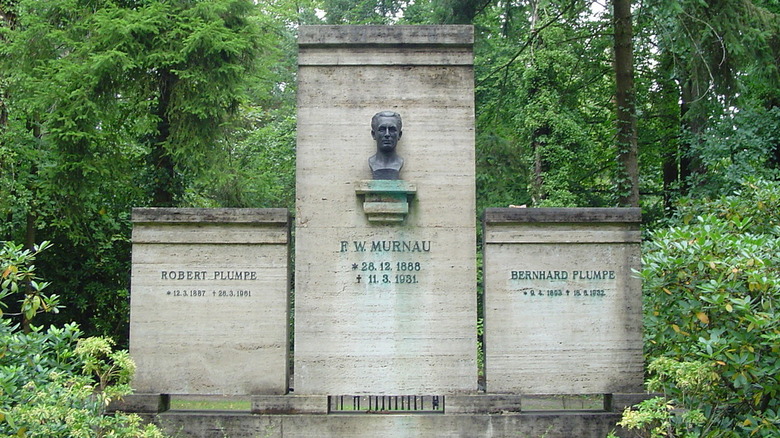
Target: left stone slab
(209,310)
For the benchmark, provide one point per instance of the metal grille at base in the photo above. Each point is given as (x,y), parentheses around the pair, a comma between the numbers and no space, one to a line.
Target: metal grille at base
(386,404)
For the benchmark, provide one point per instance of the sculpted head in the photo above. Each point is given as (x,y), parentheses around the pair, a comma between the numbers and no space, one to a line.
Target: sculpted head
(386,130)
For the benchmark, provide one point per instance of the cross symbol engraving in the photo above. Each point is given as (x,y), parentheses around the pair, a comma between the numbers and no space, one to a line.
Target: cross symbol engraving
(358,278)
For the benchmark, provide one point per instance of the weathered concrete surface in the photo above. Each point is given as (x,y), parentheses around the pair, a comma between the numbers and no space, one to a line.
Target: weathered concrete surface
(141,403)
(563,308)
(290,404)
(531,425)
(484,404)
(209,301)
(382,36)
(385,319)
(488,415)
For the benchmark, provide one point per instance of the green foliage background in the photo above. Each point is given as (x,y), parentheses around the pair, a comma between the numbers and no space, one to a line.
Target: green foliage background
(54,382)
(107,105)
(712,328)
(112,104)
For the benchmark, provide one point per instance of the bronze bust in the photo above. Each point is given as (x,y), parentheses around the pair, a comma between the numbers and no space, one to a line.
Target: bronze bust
(386,131)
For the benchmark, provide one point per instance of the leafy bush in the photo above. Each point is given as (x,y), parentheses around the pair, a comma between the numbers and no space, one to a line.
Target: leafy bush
(682,416)
(17,276)
(712,305)
(736,146)
(52,383)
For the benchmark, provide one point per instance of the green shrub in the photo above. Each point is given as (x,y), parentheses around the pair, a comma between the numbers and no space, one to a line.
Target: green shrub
(682,416)
(18,277)
(712,304)
(54,383)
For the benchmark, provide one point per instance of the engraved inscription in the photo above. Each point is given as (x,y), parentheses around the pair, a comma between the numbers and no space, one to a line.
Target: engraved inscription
(562,275)
(400,270)
(220,290)
(564,293)
(204,275)
(218,293)
(576,283)
(386,246)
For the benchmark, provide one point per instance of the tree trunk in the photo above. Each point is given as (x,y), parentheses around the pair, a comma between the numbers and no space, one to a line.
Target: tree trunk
(625,96)
(693,122)
(459,11)
(9,20)
(671,174)
(165,182)
(538,192)
(3,110)
(669,145)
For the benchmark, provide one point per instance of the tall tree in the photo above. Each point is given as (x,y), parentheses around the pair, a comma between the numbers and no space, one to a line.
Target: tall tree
(112,104)
(192,61)
(625,102)
(544,114)
(361,11)
(718,51)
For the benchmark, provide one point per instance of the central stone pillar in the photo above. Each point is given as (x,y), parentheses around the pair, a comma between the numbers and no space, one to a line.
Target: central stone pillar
(385,299)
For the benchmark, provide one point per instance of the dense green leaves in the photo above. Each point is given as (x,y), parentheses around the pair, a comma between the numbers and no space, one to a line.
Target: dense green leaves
(360,11)
(53,383)
(114,104)
(110,104)
(545,121)
(716,62)
(18,277)
(712,296)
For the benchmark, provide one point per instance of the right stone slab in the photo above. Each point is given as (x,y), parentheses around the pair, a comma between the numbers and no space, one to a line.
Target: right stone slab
(562,301)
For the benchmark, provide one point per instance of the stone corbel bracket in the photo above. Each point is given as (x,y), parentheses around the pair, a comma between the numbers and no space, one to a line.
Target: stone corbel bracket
(385,200)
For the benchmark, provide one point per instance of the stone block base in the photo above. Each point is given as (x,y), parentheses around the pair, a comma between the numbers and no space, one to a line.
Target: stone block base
(483,415)
(290,404)
(483,404)
(244,425)
(141,403)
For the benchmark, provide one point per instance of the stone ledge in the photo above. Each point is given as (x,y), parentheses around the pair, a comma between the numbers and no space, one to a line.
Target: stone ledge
(289,404)
(562,215)
(242,425)
(323,56)
(211,215)
(385,200)
(385,186)
(482,404)
(385,35)
(214,233)
(141,403)
(559,233)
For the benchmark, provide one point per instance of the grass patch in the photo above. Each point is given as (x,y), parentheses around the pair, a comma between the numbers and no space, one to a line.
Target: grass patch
(562,402)
(210,403)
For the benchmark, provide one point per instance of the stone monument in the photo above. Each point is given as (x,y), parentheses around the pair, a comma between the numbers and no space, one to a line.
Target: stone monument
(385,274)
(209,301)
(385,258)
(563,307)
